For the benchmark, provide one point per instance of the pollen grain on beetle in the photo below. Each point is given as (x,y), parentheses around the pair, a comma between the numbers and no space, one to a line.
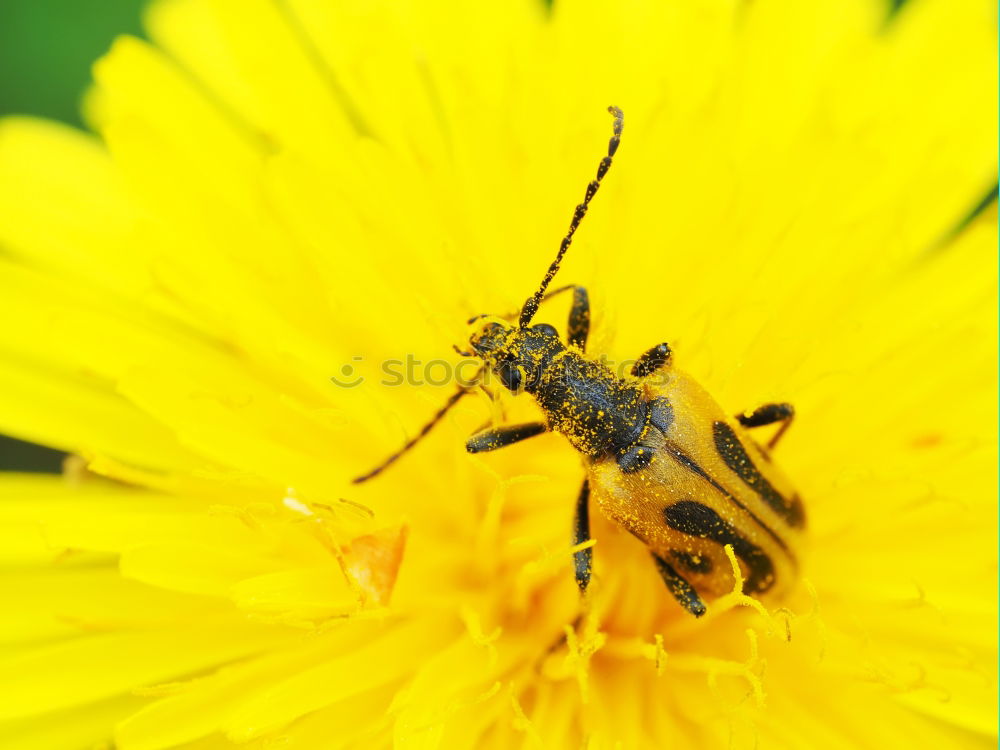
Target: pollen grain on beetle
(253,281)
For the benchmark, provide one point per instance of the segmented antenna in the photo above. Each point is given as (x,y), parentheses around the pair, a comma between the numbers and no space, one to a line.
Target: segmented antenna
(452,400)
(531,306)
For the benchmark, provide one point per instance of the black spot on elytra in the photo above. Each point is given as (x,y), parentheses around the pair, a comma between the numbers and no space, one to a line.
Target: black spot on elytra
(697,519)
(693,563)
(732,452)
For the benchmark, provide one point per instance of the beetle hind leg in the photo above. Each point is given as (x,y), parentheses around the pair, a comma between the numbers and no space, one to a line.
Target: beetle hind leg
(769,414)
(677,585)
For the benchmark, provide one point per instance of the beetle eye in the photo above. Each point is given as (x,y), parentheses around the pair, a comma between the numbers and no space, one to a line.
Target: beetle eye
(546,329)
(510,376)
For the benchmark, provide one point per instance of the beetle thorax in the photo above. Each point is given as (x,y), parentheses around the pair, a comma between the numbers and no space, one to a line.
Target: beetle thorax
(598,412)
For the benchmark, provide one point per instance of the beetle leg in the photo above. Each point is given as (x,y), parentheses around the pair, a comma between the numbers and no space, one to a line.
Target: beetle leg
(504,435)
(769,414)
(683,591)
(582,559)
(578,328)
(652,360)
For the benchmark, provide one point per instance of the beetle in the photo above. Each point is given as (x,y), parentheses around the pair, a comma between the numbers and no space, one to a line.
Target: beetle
(662,457)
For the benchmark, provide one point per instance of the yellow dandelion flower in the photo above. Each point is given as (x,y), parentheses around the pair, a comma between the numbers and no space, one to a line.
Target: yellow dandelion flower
(282,193)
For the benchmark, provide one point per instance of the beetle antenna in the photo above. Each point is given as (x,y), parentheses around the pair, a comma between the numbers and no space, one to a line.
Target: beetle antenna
(452,400)
(531,306)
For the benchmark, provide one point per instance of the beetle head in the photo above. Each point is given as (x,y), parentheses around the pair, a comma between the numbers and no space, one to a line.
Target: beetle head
(517,356)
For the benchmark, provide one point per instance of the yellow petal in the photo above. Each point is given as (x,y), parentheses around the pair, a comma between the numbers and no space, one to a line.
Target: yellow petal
(72,672)
(384,659)
(85,726)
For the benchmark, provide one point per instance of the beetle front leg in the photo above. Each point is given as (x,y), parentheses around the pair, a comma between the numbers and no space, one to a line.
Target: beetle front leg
(500,437)
(652,360)
(769,414)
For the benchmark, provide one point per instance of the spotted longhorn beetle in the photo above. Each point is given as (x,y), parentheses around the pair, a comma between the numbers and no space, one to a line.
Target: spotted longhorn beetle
(663,459)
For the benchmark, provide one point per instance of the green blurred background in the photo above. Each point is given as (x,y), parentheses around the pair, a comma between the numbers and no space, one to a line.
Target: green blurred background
(46,50)
(48,46)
